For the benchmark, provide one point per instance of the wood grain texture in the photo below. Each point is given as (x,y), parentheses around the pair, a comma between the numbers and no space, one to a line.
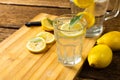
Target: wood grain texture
(16,16)
(15,13)
(4,33)
(17,63)
(12,17)
(51,3)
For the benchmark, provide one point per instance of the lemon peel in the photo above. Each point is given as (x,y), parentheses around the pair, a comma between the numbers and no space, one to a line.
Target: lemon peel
(90,18)
(83,3)
(46,24)
(112,39)
(100,56)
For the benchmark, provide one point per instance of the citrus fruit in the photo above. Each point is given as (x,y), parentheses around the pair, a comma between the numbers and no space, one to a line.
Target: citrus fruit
(90,9)
(47,24)
(83,3)
(36,44)
(47,36)
(112,39)
(100,56)
(89,18)
(73,31)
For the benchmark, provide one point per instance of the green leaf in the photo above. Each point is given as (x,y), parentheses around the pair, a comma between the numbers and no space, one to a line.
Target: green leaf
(74,20)
(50,21)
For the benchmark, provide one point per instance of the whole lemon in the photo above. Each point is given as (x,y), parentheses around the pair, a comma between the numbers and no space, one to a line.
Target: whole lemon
(100,56)
(112,39)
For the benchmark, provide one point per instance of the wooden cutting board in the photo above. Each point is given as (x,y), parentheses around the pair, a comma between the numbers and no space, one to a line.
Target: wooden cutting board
(17,63)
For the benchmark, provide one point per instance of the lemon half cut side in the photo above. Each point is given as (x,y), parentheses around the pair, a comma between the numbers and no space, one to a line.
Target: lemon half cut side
(46,25)
(73,31)
(47,36)
(36,44)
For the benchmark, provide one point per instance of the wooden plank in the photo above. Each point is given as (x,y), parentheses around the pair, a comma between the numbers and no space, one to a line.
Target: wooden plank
(53,3)
(16,16)
(49,3)
(5,32)
(18,63)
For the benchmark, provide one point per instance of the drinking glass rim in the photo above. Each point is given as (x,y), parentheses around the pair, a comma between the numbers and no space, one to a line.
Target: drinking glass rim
(67,17)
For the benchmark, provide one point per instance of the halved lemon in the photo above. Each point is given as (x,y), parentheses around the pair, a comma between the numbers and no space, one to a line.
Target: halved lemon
(83,3)
(46,24)
(47,36)
(36,44)
(90,18)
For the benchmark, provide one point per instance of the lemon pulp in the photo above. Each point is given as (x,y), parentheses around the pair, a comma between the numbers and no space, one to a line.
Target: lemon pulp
(49,37)
(73,31)
(36,44)
(46,25)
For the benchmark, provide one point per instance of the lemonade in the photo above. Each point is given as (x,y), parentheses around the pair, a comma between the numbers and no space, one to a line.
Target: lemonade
(97,8)
(69,40)
(100,7)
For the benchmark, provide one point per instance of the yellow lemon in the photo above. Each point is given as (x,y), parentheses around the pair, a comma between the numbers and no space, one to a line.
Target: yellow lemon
(36,44)
(83,3)
(73,31)
(100,56)
(89,18)
(90,9)
(47,24)
(49,37)
(112,39)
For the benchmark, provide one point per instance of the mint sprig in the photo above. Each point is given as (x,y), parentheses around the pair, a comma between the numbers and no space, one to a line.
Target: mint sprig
(50,21)
(75,19)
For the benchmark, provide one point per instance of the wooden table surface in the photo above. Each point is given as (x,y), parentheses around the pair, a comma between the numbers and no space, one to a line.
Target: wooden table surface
(15,13)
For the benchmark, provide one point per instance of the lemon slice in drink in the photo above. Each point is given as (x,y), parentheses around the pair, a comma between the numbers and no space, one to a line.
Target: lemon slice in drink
(90,9)
(47,36)
(36,44)
(73,31)
(47,24)
(89,18)
(83,3)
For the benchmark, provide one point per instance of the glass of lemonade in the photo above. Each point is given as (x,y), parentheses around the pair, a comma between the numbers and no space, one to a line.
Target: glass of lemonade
(69,39)
(99,10)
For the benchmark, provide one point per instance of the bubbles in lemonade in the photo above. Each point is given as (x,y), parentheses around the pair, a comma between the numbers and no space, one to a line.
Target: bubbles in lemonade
(69,43)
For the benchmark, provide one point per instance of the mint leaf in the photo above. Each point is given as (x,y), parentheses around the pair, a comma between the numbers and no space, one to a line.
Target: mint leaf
(50,21)
(74,20)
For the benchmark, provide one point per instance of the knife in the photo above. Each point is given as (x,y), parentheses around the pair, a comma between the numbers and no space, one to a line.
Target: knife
(30,24)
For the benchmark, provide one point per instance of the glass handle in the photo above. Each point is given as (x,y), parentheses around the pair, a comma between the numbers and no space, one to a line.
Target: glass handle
(114,12)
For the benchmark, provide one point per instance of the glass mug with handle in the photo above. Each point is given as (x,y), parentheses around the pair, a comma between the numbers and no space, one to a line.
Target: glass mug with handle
(99,9)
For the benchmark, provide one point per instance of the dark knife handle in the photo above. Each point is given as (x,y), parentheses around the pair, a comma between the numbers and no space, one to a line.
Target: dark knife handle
(29,24)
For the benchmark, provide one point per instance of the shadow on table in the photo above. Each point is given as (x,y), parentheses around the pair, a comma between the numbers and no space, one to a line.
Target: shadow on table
(112,72)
